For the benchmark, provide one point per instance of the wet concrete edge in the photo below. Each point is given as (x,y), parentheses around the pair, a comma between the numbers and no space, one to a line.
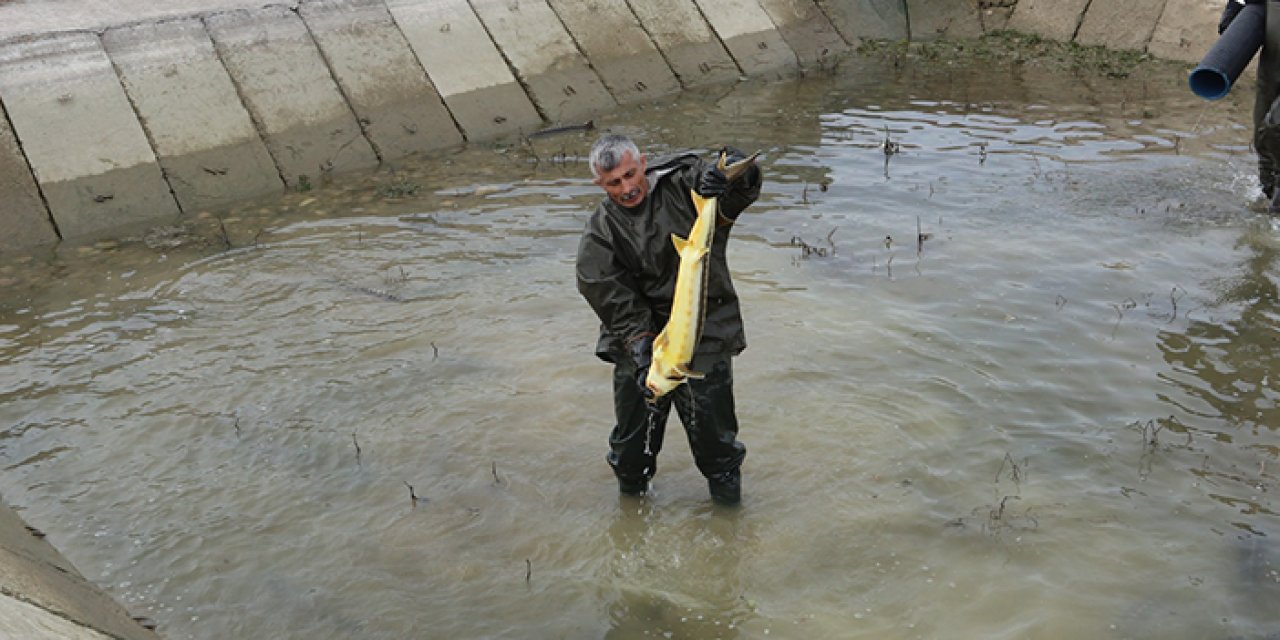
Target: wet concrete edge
(54,599)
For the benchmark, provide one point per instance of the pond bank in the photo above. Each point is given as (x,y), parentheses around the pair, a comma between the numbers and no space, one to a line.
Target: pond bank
(117,120)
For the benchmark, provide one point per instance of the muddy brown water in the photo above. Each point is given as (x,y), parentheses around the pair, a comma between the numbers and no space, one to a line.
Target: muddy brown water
(1053,417)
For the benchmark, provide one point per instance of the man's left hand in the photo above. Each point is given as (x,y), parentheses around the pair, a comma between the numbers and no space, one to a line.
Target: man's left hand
(711,182)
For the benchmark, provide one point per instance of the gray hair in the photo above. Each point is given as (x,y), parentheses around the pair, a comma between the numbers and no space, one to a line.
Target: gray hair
(608,151)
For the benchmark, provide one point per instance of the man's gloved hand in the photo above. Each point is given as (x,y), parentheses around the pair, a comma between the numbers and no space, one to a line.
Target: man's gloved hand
(642,355)
(1228,14)
(711,182)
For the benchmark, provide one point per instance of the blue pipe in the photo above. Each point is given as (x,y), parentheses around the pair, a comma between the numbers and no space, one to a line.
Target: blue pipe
(1220,67)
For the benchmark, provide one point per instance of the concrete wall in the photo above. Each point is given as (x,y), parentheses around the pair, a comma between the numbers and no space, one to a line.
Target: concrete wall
(170,71)
(80,137)
(43,596)
(109,126)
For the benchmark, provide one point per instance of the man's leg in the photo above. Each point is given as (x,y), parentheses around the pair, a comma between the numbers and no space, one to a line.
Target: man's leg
(710,420)
(1266,117)
(637,436)
(1266,142)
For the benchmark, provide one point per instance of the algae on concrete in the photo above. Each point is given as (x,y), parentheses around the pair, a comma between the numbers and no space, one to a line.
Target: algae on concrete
(1015,48)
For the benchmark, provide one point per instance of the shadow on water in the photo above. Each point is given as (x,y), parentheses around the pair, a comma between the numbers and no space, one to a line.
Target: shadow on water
(648,589)
(1257,587)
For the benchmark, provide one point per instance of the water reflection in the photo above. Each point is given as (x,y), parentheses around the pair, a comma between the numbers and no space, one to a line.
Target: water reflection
(1226,365)
(1223,370)
(1223,398)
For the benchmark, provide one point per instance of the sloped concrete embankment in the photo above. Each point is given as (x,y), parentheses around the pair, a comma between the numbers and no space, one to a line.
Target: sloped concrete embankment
(110,128)
(43,596)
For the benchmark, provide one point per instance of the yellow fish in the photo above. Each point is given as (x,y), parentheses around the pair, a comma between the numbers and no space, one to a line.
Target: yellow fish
(673,348)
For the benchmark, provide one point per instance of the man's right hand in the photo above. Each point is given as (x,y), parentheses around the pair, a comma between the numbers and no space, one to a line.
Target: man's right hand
(711,182)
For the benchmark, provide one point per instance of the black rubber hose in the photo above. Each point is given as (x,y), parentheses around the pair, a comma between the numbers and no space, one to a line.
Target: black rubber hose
(1218,70)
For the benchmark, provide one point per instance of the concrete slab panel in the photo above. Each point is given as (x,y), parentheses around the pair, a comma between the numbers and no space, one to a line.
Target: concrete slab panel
(1053,19)
(24,220)
(618,48)
(1120,24)
(935,19)
(995,18)
(16,537)
(858,20)
(200,131)
(53,590)
(545,57)
(807,30)
(466,67)
(66,594)
(1186,30)
(389,91)
(34,17)
(286,85)
(751,37)
(80,135)
(687,41)
(21,620)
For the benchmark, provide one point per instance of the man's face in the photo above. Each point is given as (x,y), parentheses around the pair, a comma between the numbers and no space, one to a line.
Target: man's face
(626,183)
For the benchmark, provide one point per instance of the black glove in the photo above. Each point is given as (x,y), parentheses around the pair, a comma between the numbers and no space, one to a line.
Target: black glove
(642,355)
(1228,14)
(711,182)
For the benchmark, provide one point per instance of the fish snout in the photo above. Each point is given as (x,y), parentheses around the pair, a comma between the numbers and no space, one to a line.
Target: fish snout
(660,384)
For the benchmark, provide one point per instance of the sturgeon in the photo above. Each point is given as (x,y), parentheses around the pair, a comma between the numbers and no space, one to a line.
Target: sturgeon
(674,346)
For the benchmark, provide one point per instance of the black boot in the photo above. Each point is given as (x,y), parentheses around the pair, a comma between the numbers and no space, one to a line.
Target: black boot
(726,488)
(631,487)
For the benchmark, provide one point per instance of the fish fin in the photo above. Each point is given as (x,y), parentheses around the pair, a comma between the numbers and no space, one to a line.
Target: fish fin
(682,244)
(688,373)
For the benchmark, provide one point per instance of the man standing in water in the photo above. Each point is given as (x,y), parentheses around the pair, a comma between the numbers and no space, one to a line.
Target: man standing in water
(1266,106)
(626,270)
